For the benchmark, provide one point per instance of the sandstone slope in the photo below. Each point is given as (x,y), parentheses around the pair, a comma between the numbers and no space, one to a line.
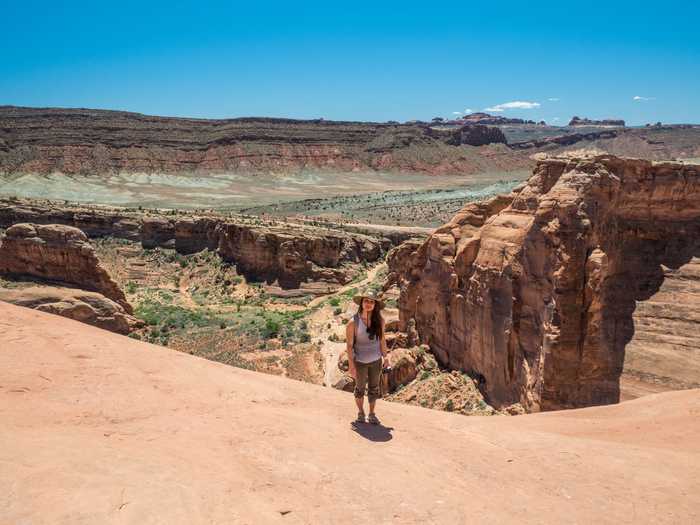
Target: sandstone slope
(98,428)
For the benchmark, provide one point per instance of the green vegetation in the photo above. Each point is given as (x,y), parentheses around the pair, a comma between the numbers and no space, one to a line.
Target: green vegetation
(155,313)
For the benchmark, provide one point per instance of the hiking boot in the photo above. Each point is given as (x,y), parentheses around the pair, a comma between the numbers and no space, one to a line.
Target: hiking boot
(373,419)
(360,417)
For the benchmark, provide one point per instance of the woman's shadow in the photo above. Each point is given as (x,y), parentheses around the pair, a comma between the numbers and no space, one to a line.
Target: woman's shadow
(372,432)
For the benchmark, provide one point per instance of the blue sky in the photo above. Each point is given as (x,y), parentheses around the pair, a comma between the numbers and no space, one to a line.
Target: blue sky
(356,60)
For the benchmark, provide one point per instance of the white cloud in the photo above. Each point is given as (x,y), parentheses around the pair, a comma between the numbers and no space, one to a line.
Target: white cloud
(513,105)
(456,112)
(468,110)
(553,99)
(555,119)
(637,98)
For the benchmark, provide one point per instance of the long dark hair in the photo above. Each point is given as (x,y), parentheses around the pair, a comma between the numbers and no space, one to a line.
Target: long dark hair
(375,328)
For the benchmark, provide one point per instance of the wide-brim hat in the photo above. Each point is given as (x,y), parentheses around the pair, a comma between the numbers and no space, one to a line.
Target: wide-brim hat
(369,295)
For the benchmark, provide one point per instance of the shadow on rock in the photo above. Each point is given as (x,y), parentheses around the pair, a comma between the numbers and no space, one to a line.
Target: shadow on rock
(372,432)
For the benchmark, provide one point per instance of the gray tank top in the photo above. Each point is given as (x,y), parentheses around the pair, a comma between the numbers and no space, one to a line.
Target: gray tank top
(366,350)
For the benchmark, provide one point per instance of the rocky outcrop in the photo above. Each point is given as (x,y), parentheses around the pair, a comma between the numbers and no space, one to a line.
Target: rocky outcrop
(56,253)
(577,121)
(289,253)
(534,292)
(566,140)
(494,120)
(87,307)
(97,142)
(472,135)
(291,257)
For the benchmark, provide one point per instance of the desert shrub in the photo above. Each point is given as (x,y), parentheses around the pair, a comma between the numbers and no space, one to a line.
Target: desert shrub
(334,301)
(449,406)
(337,311)
(130,287)
(157,314)
(271,329)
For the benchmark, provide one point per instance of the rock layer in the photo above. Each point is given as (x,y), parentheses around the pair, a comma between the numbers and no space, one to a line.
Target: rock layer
(57,253)
(289,253)
(535,291)
(70,141)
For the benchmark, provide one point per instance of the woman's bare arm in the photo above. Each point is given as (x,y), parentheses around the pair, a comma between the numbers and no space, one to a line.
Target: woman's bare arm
(382,345)
(349,345)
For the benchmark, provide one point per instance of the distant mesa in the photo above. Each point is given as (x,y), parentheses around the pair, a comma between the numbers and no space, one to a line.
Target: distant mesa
(578,121)
(99,142)
(494,120)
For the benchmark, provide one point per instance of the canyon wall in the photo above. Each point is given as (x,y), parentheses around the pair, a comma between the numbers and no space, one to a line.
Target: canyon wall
(288,253)
(534,292)
(86,141)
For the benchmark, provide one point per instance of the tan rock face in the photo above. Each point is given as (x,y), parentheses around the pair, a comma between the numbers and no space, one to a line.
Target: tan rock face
(57,253)
(535,291)
(87,307)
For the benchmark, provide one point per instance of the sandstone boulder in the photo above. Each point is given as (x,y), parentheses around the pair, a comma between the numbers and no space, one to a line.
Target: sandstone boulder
(88,307)
(57,253)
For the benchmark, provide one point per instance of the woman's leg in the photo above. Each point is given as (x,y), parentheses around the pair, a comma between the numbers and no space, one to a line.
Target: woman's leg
(361,374)
(374,374)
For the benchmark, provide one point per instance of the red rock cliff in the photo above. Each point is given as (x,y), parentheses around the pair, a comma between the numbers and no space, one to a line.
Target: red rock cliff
(535,291)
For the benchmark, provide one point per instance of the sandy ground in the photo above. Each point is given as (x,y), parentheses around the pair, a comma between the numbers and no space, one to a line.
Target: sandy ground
(99,428)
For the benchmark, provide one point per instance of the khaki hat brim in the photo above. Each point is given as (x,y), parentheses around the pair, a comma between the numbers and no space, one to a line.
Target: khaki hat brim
(358,300)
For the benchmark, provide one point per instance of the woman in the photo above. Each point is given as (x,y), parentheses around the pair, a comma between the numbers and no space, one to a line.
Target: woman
(366,352)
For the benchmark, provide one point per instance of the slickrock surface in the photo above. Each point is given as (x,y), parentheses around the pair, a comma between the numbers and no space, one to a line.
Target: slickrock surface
(535,291)
(88,307)
(290,253)
(99,428)
(45,140)
(58,253)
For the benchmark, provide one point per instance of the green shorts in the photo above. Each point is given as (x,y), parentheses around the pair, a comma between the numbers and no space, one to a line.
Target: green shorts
(368,374)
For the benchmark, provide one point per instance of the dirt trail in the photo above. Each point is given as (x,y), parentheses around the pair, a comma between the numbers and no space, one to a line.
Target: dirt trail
(185,296)
(100,428)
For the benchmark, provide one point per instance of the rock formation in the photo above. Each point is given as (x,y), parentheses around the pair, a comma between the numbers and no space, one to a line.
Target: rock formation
(486,118)
(567,140)
(87,307)
(577,121)
(472,134)
(289,253)
(98,142)
(56,253)
(535,291)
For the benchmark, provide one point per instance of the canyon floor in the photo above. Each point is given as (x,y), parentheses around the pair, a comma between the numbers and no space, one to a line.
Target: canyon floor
(99,428)
(237,191)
